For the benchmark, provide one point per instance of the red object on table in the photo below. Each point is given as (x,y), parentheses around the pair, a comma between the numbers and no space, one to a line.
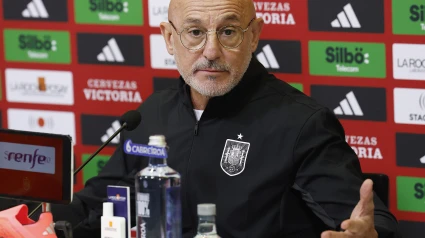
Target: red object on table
(14,223)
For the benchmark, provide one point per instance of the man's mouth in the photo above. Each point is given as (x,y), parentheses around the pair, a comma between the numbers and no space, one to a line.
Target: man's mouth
(211,70)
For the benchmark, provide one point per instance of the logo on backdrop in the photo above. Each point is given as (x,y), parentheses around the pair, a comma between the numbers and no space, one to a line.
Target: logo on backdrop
(116,12)
(110,49)
(366,147)
(107,90)
(158,12)
(97,129)
(414,113)
(275,13)
(160,58)
(37,46)
(42,121)
(354,103)
(409,150)
(347,59)
(280,55)
(409,18)
(235,153)
(164,83)
(349,106)
(39,86)
(346,15)
(410,194)
(36,10)
(409,61)
(31,158)
(93,168)
(144,150)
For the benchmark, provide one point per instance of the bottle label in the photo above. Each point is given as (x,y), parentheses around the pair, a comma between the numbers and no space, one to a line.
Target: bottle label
(149,213)
(158,208)
(144,150)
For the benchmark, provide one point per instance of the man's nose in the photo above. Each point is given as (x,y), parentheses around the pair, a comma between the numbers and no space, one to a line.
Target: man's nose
(212,49)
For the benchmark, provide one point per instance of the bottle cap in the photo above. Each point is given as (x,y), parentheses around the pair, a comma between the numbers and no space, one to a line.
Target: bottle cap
(108,209)
(157,140)
(206,209)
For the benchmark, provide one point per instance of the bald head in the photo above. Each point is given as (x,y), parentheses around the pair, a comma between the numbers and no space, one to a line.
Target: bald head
(179,9)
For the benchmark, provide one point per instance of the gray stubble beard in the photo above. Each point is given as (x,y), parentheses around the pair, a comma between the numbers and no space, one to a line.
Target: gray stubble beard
(206,90)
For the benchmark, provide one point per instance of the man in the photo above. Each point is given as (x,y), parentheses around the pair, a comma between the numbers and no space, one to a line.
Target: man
(273,160)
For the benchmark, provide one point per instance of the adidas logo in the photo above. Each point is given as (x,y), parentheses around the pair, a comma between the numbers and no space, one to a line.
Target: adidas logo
(349,106)
(115,126)
(49,230)
(267,58)
(346,19)
(111,52)
(422,160)
(35,9)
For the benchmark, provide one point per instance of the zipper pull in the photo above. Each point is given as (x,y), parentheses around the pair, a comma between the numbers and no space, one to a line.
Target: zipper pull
(196,128)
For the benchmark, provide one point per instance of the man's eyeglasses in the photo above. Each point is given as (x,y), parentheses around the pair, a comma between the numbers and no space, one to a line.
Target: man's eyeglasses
(194,38)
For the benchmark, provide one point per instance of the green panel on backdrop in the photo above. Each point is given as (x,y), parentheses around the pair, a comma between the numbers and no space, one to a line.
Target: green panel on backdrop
(411,194)
(93,168)
(350,59)
(110,12)
(408,17)
(37,46)
(297,86)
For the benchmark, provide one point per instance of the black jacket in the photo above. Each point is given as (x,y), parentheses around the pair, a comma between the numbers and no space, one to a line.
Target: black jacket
(298,177)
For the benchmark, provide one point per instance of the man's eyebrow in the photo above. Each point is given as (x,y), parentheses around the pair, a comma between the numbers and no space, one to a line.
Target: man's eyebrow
(192,20)
(231,17)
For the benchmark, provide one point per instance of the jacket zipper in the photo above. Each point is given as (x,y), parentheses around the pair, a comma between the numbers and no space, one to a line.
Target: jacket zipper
(195,133)
(196,128)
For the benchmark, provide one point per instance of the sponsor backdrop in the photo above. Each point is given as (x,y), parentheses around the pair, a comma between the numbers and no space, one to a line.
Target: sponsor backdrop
(74,67)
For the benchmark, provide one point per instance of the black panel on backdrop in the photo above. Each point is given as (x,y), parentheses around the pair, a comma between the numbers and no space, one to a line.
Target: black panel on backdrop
(346,15)
(412,229)
(97,129)
(164,83)
(36,10)
(111,49)
(355,103)
(410,151)
(280,55)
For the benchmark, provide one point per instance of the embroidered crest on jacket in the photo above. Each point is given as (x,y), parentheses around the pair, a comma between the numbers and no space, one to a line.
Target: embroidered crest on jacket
(234,156)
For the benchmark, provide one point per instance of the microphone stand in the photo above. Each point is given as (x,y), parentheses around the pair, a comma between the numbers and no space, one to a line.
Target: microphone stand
(88,160)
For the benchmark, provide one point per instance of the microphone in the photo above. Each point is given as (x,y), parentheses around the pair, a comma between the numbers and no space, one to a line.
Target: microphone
(129,121)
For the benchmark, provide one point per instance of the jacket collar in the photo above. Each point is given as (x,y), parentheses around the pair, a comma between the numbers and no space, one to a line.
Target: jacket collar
(234,100)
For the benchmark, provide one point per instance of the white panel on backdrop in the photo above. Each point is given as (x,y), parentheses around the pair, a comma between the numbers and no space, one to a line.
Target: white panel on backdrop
(54,122)
(160,58)
(409,106)
(158,12)
(409,61)
(39,86)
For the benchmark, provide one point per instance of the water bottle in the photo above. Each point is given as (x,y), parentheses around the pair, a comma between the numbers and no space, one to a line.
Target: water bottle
(158,203)
(206,221)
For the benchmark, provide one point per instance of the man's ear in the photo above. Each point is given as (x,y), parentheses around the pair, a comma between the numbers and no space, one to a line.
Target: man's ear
(166,32)
(257,27)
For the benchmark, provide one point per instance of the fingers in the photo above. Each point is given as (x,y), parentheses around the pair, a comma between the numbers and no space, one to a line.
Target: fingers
(333,234)
(354,226)
(366,190)
(366,198)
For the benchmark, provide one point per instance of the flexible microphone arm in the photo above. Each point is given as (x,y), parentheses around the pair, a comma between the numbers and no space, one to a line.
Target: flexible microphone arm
(124,125)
